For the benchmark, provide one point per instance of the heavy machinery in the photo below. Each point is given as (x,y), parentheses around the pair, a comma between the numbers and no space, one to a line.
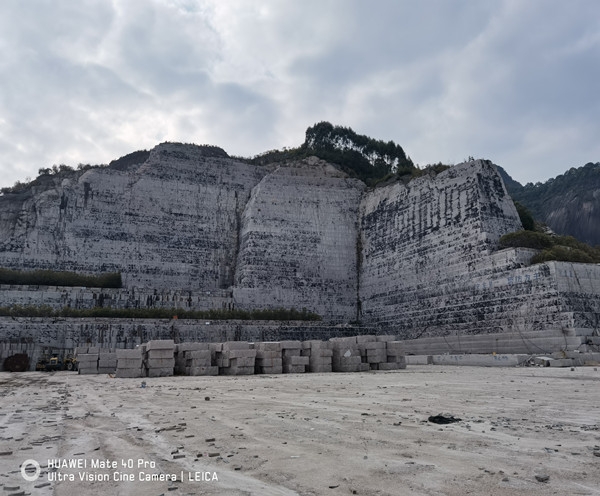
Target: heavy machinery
(49,362)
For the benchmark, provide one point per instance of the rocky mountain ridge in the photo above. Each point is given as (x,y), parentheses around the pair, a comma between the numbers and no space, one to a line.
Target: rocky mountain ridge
(569,203)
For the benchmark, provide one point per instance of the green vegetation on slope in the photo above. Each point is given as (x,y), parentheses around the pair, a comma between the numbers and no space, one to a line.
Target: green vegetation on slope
(358,155)
(568,203)
(525,215)
(59,278)
(559,248)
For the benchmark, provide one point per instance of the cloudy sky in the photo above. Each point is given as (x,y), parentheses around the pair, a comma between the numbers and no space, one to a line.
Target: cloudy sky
(87,81)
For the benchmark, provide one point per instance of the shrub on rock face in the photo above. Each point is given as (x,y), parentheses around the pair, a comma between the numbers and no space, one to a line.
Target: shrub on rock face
(59,278)
(278,314)
(525,216)
(526,239)
(559,248)
(562,254)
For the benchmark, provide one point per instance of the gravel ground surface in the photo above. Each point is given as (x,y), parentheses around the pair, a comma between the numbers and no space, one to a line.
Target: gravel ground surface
(522,431)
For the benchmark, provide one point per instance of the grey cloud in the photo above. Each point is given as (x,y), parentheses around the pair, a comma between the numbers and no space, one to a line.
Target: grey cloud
(89,81)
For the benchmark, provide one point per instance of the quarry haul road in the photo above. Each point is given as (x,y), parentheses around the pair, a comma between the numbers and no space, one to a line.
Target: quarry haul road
(306,434)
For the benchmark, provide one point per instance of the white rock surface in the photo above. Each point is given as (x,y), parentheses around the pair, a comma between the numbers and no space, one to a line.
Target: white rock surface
(192,228)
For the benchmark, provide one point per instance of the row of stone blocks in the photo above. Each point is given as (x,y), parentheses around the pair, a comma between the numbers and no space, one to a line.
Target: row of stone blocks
(352,354)
(162,358)
(153,359)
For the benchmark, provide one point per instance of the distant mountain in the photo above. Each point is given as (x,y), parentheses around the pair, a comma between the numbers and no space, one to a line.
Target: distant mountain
(569,203)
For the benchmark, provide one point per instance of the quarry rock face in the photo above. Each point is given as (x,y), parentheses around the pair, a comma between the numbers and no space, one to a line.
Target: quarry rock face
(171,222)
(425,242)
(298,241)
(191,227)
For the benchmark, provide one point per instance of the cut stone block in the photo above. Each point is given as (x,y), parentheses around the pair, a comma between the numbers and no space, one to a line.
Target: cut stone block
(107,363)
(222,362)
(376,345)
(269,346)
(366,338)
(322,353)
(203,371)
(134,353)
(320,360)
(236,345)
(268,354)
(129,363)
(418,359)
(478,360)
(241,354)
(241,362)
(290,352)
(160,344)
(315,344)
(378,357)
(160,353)
(561,362)
(87,358)
(296,360)
(268,362)
(203,354)
(160,363)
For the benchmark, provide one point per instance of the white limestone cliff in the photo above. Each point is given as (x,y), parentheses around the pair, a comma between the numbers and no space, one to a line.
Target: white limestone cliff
(191,227)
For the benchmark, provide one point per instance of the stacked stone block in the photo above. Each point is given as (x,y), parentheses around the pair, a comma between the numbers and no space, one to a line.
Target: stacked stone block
(87,360)
(160,358)
(199,362)
(293,361)
(372,352)
(107,361)
(194,359)
(396,356)
(179,354)
(129,363)
(236,358)
(319,354)
(268,358)
(346,355)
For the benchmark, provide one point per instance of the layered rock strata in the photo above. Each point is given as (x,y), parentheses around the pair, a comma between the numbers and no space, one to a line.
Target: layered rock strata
(169,223)
(298,241)
(193,228)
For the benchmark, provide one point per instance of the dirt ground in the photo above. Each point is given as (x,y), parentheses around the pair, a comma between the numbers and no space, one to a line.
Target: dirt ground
(307,434)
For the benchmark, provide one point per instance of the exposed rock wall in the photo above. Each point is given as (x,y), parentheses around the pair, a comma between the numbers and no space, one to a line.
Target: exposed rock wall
(298,242)
(422,243)
(58,297)
(171,222)
(193,228)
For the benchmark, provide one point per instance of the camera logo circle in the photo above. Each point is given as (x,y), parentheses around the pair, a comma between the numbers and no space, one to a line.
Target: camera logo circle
(24,472)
